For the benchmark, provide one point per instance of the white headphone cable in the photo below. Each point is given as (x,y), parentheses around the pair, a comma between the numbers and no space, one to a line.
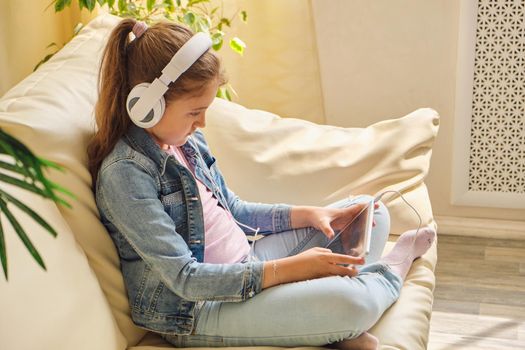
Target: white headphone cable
(227,208)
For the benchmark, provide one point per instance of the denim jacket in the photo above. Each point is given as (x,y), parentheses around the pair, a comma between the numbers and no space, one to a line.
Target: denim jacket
(150,205)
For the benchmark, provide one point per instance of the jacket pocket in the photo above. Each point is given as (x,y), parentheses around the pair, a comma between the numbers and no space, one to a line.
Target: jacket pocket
(174,198)
(175,205)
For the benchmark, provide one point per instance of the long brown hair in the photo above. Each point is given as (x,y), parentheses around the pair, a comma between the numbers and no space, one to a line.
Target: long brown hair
(126,63)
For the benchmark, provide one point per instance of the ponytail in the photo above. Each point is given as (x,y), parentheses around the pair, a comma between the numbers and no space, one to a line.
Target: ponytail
(110,110)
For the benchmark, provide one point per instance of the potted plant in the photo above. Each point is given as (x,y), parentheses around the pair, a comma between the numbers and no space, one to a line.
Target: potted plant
(199,15)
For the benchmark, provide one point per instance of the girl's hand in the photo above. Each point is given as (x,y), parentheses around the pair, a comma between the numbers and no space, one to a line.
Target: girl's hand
(313,263)
(328,219)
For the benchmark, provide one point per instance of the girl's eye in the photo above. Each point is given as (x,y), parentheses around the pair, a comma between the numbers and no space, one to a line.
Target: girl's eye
(195,114)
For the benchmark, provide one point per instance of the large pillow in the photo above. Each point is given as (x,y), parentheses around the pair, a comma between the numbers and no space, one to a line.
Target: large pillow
(51,111)
(61,307)
(271,159)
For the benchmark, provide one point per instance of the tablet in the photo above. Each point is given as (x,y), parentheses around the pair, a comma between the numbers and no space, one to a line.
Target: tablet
(354,238)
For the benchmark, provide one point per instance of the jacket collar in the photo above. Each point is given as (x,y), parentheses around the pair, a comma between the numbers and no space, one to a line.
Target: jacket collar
(140,140)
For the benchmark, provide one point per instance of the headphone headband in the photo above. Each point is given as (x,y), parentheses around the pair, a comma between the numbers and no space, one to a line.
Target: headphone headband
(190,52)
(140,107)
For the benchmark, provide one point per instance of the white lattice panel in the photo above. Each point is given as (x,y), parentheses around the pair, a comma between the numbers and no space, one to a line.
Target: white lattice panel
(490,104)
(497,144)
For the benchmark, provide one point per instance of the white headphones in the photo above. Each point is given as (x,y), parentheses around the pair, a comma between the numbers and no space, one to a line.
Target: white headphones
(145,103)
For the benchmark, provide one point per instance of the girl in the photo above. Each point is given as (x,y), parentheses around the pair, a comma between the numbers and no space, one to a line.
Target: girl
(180,232)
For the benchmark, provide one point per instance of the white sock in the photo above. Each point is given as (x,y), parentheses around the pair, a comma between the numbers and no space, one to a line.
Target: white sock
(407,249)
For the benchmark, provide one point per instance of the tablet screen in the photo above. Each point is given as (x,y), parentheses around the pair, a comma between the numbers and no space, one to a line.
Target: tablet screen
(354,238)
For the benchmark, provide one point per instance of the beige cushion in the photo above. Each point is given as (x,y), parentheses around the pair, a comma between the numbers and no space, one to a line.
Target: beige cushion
(282,160)
(61,308)
(51,112)
(300,162)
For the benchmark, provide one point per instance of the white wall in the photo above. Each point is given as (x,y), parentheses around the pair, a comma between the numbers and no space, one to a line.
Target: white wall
(27,27)
(279,71)
(382,59)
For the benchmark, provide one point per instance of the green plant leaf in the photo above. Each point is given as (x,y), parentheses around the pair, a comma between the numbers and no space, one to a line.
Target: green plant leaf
(16,168)
(225,21)
(217,39)
(50,164)
(228,90)
(150,4)
(63,190)
(201,24)
(59,5)
(189,18)
(50,187)
(101,2)
(21,233)
(237,45)
(29,212)
(220,93)
(224,93)
(122,6)
(111,3)
(3,251)
(23,184)
(90,4)
(81,4)
(170,6)
(228,96)
(44,60)
(194,2)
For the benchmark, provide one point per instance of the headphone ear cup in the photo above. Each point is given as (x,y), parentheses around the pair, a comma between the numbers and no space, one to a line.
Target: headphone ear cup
(154,115)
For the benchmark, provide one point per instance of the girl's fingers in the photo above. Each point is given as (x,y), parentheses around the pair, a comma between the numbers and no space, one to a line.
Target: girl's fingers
(346,259)
(343,270)
(327,230)
(357,208)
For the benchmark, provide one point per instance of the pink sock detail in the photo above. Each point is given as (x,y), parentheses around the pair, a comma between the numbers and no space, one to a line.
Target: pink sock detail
(400,258)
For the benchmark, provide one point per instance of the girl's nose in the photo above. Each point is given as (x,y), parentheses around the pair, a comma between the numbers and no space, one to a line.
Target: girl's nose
(201,122)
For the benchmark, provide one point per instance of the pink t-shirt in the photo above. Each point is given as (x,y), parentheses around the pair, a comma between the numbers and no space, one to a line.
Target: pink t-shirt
(225,242)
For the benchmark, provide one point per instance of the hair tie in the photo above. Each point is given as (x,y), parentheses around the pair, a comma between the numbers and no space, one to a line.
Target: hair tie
(139,28)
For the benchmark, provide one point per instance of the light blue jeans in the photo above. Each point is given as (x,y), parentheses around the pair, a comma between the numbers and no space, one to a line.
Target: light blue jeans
(307,313)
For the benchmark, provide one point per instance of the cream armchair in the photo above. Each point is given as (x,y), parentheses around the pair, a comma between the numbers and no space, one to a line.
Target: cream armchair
(80,301)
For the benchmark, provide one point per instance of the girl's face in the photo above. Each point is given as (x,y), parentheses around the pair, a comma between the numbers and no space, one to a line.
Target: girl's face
(182,117)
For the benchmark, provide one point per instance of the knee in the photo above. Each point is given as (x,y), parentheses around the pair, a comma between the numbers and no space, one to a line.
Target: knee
(357,308)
